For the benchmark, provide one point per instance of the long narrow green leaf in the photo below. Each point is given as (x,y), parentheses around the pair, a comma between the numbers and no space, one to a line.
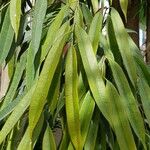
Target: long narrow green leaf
(71,100)
(86,112)
(51,35)
(16,114)
(92,134)
(122,39)
(45,79)
(124,6)
(6,37)
(54,89)
(38,19)
(113,42)
(9,108)
(48,140)
(87,15)
(95,30)
(15,14)
(26,143)
(144,89)
(139,60)
(15,81)
(128,100)
(92,70)
(120,121)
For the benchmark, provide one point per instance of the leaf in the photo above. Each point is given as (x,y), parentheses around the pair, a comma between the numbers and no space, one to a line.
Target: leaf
(144,89)
(45,79)
(15,81)
(95,30)
(94,5)
(86,112)
(130,104)
(16,114)
(124,7)
(38,19)
(48,140)
(124,47)
(78,17)
(119,120)
(26,142)
(87,15)
(9,108)
(71,99)
(15,14)
(54,89)
(92,134)
(51,35)
(6,37)
(113,42)
(91,68)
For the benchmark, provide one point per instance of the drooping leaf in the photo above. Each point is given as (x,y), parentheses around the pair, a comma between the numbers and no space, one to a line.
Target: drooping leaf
(45,79)
(48,140)
(87,15)
(128,100)
(15,15)
(38,19)
(28,143)
(71,99)
(95,30)
(144,88)
(124,47)
(120,122)
(86,112)
(92,133)
(124,6)
(16,114)
(91,68)
(9,108)
(6,37)
(51,35)
(15,81)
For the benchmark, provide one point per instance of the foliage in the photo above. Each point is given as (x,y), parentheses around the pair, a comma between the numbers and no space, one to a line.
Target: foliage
(74,67)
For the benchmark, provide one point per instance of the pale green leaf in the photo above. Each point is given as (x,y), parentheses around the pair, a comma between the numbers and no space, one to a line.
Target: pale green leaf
(15,15)
(6,37)
(15,81)
(38,19)
(16,114)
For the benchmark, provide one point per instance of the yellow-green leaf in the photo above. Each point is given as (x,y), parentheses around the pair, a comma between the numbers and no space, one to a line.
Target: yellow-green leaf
(48,140)
(124,6)
(71,99)
(45,79)
(95,30)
